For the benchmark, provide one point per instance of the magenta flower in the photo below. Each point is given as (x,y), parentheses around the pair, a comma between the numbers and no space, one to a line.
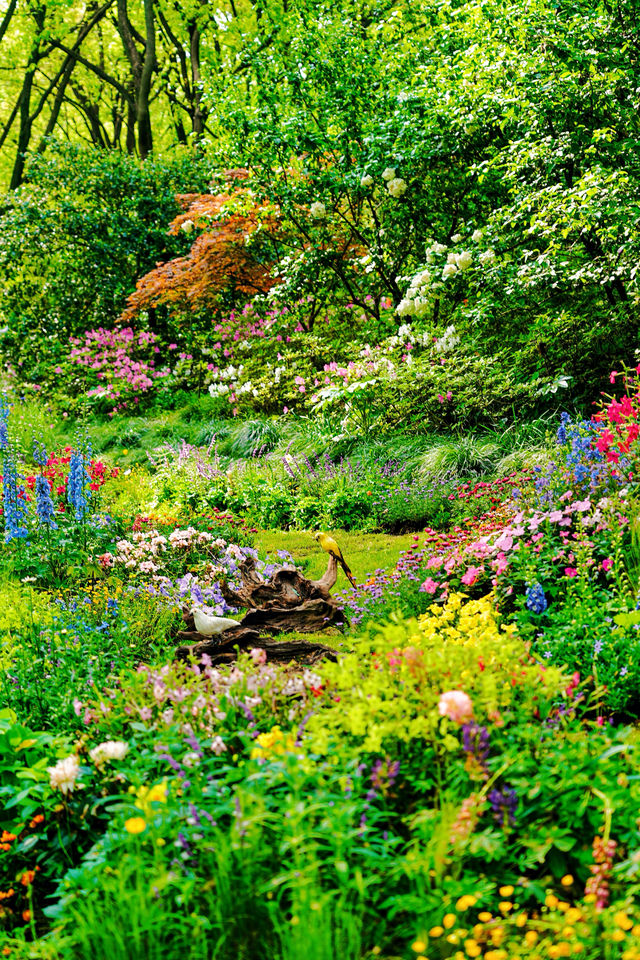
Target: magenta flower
(570,572)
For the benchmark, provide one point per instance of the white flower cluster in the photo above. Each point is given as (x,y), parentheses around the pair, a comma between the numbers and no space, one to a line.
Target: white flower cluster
(228,379)
(318,210)
(396,186)
(455,262)
(448,341)
(109,750)
(425,284)
(63,776)
(418,299)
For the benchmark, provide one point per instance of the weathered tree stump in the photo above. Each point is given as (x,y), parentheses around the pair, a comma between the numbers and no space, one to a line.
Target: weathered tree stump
(285,603)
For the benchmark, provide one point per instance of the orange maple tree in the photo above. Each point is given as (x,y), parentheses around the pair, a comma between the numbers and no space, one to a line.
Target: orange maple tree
(223,260)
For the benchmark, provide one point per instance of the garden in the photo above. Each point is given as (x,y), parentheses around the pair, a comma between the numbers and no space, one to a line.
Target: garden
(320,481)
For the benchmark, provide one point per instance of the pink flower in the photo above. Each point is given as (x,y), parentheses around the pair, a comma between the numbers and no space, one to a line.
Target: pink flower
(500,564)
(258,655)
(504,542)
(456,705)
(429,586)
(570,572)
(449,395)
(471,576)
(607,564)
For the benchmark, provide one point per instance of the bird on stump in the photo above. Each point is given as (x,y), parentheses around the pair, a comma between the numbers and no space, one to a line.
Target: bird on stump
(329,544)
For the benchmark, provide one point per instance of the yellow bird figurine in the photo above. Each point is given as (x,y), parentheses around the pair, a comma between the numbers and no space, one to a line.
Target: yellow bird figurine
(329,544)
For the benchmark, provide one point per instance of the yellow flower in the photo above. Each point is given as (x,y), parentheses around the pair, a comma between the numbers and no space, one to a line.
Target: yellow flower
(135,825)
(473,948)
(484,916)
(505,891)
(618,935)
(466,901)
(505,906)
(573,915)
(436,932)
(622,920)
(567,880)
(530,938)
(551,901)
(449,920)
(419,946)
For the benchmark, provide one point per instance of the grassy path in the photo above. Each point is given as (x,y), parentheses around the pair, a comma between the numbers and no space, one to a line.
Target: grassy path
(364,552)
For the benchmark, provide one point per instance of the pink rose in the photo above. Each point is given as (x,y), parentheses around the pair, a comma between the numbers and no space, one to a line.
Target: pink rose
(456,705)
(570,572)
(607,564)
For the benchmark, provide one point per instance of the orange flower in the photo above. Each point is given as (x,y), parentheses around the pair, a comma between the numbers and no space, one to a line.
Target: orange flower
(27,878)
(5,895)
(7,837)
(26,915)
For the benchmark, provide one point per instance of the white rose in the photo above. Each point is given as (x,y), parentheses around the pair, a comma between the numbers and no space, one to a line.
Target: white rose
(465,260)
(476,236)
(449,270)
(396,187)
(439,247)
(367,180)
(456,238)
(389,173)
(187,226)
(318,210)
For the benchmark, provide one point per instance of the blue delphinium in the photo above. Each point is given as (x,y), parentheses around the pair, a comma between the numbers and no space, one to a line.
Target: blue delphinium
(535,599)
(561,433)
(45,509)
(15,505)
(78,483)
(4,423)
(39,453)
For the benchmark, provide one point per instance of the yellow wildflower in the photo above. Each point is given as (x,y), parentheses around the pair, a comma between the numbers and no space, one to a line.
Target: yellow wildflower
(135,825)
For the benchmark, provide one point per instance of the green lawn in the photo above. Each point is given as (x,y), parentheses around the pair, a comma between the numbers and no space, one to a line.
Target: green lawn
(364,552)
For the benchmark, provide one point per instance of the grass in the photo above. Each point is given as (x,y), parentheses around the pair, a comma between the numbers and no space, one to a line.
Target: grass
(364,552)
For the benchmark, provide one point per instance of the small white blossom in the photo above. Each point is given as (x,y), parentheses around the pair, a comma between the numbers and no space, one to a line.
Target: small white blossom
(109,750)
(465,260)
(439,247)
(367,180)
(389,173)
(476,236)
(187,226)
(449,270)
(487,256)
(318,210)
(63,776)
(456,238)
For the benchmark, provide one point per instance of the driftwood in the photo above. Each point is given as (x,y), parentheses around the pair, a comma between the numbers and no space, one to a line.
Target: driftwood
(285,603)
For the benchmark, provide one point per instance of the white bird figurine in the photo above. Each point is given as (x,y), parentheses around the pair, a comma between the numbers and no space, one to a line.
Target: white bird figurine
(211,626)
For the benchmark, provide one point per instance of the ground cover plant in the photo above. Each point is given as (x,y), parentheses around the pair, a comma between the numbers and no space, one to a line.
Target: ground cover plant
(246,296)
